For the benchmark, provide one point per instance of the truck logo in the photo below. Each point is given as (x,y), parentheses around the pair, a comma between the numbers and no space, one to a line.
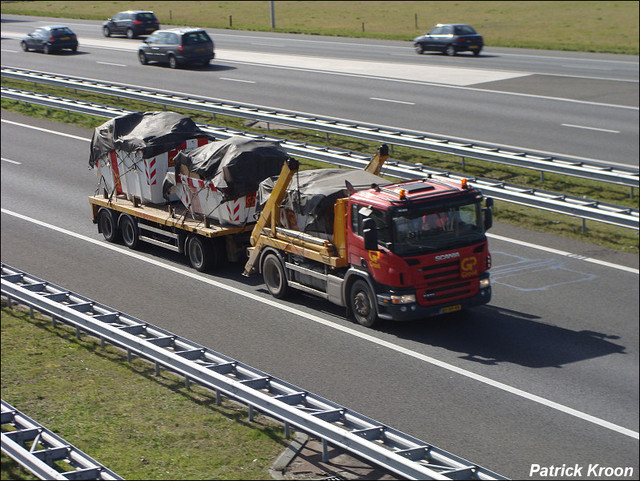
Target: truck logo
(374,259)
(444,257)
(468,267)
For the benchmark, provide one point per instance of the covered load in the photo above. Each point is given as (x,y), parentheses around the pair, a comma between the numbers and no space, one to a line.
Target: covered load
(219,180)
(133,153)
(312,194)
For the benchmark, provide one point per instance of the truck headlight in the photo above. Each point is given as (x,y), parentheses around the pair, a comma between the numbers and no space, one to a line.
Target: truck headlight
(403,298)
(485,283)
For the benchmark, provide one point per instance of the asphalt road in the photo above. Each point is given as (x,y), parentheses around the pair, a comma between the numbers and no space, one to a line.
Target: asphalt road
(546,374)
(552,102)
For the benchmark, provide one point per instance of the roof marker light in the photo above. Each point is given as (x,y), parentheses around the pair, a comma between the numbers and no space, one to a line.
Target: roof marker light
(463,183)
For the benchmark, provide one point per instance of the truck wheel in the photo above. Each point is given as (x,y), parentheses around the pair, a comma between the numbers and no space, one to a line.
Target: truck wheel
(200,253)
(363,304)
(129,228)
(108,225)
(274,276)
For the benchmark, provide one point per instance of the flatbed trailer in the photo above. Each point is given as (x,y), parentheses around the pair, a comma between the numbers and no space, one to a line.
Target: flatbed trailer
(171,226)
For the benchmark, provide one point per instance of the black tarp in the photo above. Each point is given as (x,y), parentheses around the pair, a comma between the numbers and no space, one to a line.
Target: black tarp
(313,193)
(235,165)
(151,132)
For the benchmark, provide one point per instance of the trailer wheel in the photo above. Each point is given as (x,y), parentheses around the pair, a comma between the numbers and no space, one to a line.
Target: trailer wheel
(363,304)
(274,276)
(108,225)
(201,255)
(130,234)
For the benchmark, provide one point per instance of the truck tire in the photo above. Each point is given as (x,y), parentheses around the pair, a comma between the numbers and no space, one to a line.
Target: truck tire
(108,225)
(200,253)
(362,303)
(275,277)
(130,233)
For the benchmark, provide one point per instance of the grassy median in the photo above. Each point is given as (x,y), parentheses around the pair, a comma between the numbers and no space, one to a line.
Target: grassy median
(138,424)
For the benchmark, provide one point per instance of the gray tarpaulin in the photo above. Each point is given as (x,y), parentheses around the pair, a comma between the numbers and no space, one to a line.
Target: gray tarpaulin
(235,166)
(151,132)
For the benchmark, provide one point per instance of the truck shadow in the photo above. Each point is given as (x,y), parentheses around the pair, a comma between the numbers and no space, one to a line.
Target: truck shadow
(491,335)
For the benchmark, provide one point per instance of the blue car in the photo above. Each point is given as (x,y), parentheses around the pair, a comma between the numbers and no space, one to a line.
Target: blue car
(50,39)
(450,39)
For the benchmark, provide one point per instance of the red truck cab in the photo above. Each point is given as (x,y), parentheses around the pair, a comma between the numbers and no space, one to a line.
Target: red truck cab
(422,247)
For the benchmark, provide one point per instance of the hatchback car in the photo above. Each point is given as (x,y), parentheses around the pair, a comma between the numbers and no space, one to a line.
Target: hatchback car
(177,46)
(50,39)
(131,23)
(450,39)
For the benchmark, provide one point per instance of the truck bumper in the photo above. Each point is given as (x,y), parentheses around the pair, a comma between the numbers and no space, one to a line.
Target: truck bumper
(414,311)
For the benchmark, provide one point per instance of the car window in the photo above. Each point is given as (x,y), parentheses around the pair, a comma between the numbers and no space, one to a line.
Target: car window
(435,31)
(146,16)
(192,38)
(58,32)
(447,30)
(464,30)
(172,38)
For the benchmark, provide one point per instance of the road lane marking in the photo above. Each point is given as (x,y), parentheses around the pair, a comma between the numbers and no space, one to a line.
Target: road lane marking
(591,128)
(237,80)
(11,161)
(344,329)
(393,101)
(114,64)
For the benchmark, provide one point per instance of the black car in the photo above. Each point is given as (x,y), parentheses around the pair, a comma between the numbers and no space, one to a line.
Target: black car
(177,46)
(50,39)
(131,23)
(450,39)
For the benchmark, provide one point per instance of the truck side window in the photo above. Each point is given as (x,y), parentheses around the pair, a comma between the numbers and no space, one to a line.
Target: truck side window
(359,213)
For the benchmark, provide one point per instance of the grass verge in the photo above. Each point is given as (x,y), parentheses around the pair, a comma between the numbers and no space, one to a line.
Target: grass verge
(613,237)
(139,425)
(587,26)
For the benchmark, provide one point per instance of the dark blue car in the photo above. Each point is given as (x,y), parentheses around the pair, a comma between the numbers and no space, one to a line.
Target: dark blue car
(450,39)
(131,23)
(50,39)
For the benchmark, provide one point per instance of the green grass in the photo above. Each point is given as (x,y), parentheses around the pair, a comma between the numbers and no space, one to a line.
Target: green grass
(138,424)
(588,26)
(597,233)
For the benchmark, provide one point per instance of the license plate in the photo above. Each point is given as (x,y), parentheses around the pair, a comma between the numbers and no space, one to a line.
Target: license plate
(474,47)
(455,308)
(64,38)
(149,29)
(202,49)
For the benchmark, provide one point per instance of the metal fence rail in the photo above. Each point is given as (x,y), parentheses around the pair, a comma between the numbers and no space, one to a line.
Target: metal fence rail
(585,209)
(334,424)
(43,452)
(414,139)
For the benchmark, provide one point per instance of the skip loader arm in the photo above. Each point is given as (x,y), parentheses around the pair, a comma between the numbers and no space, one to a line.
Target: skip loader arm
(374,166)
(270,212)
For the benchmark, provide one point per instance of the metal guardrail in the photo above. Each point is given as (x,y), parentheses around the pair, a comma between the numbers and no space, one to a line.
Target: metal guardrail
(585,209)
(43,452)
(382,445)
(414,139)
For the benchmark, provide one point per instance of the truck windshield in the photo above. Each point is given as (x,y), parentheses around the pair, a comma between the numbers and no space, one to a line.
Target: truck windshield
(417,231)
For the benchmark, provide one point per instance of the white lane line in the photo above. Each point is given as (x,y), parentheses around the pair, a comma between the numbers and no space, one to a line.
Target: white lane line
(114,64)
(591,128)
(237,80)
(46,130)
(564,253)
(11,161)
(346,330)
(392,101)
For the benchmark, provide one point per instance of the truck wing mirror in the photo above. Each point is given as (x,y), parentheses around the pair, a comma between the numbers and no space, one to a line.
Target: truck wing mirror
(370,234)
(488,218)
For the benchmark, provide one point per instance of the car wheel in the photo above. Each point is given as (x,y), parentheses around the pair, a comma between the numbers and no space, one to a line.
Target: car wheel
(106,31)
(450,50)
(173,63)
(74,49)
(477,52)
(130,234)
(363,304)
(419,48)
(274,276)
(143,58)
(130,33)
(46,49)
(24,46)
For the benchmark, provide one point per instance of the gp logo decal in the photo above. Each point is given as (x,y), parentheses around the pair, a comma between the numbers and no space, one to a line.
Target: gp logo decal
(374,259)
(468,267)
